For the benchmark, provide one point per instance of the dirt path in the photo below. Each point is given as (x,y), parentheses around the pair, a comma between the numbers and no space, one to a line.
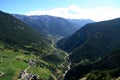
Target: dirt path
(1,73)
(54,77)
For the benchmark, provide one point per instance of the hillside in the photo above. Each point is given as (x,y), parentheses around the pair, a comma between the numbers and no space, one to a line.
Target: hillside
(92,41)
(107,68)
(26,53)
(15,32)
(34,23)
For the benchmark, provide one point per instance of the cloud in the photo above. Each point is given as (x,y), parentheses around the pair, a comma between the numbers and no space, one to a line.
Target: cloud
(75,12)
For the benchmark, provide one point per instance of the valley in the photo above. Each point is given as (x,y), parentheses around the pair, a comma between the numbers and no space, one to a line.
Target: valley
(26,54)
(19,64)
(53,48)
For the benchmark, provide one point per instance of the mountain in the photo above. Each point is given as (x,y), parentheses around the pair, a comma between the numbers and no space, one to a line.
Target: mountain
(92,41)
(107,68)
(49,25)
(26,53)
(57,25)
(81,22)
(15,32)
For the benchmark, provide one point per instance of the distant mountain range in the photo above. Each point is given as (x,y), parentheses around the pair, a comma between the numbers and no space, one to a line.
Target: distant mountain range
(51,25)
(81,22)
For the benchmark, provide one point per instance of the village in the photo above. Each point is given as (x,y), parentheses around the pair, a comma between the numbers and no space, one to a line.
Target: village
(24,75)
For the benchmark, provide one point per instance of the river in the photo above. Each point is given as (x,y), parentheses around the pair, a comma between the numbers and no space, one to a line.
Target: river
(68,67)
(66,57)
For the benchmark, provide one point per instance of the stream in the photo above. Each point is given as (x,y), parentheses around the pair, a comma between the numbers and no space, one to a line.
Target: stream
(68,67)
(66,57)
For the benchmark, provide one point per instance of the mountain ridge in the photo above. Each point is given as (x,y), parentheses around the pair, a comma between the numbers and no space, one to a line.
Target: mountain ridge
(50,25)
(102,36)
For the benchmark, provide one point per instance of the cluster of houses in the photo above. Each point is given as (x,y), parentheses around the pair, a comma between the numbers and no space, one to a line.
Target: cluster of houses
(29,76)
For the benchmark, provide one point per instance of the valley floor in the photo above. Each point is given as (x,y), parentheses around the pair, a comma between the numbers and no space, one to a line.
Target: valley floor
(19,65)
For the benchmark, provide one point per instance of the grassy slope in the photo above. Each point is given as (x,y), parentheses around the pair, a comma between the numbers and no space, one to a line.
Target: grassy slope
(12,63)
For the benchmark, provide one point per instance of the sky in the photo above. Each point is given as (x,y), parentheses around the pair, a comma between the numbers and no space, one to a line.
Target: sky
(97,10)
